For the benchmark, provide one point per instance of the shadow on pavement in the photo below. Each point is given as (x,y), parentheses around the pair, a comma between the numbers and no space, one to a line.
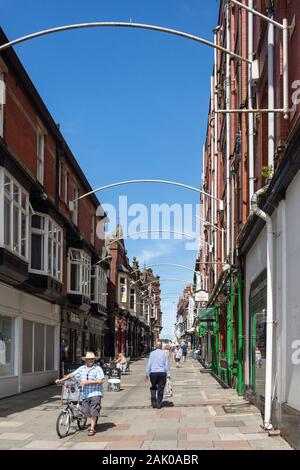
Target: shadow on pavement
(49,395)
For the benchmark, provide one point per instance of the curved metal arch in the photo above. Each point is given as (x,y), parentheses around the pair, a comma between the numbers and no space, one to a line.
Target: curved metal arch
(117,24)
(155,231)
(122,183)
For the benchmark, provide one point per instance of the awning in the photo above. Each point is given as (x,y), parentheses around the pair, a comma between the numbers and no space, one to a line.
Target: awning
(208,314)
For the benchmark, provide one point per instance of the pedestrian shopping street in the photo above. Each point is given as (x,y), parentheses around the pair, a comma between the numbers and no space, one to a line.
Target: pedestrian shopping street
(196,417)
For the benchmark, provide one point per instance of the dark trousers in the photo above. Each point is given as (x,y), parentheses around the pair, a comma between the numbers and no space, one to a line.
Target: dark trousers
(158,382)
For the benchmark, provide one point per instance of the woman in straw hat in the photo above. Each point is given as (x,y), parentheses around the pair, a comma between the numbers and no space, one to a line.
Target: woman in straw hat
(91,377)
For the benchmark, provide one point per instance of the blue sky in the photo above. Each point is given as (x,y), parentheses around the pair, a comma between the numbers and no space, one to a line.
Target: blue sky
(131,104)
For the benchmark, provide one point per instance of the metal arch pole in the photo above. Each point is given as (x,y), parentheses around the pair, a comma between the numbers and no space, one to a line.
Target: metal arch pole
(286,69)
(116,24)
(121,183)
(156,231)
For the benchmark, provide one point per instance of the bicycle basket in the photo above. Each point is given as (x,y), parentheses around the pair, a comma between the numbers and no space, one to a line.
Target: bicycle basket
(71,391)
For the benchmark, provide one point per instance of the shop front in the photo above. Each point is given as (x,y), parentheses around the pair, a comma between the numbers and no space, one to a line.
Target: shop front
(29,341)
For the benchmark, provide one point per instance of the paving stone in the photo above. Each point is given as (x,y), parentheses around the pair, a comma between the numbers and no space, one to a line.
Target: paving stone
(42,445)
(128,422)
(10,424)
(202,437)
(15,436)
(225,424)
(232,445)
(196,445)
(89,446)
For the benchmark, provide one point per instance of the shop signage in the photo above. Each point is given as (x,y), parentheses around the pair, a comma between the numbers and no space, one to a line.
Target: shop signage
(75,318)
(201,296)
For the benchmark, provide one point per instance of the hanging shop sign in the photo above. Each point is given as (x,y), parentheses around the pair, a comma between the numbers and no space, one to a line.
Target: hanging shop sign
(201,296)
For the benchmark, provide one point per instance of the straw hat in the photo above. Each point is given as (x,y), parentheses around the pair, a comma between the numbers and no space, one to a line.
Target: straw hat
(90,355)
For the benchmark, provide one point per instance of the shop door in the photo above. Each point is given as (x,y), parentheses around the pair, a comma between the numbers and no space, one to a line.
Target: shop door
(257,343)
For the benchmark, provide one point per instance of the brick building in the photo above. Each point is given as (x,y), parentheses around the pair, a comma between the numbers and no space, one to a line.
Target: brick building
(133,303)
(52,291)
(249,265)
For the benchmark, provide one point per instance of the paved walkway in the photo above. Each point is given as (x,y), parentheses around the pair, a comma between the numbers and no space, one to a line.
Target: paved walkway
(195,418)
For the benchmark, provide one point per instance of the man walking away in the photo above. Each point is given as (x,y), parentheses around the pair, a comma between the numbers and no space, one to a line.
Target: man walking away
(177,355)
(184,351)
(91,378)
(157,369)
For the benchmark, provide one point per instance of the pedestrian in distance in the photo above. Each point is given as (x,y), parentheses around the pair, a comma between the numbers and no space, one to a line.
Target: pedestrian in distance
(258,357)
(177,355)
(184,351)
(157,370)
(121,363)
(90,377)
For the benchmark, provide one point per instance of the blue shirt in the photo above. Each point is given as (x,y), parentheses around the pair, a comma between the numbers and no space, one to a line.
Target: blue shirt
(158,362)
(90,373)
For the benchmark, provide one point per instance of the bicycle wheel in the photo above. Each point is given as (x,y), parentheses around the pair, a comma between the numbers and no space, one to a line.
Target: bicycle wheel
(63,424)
(81,422)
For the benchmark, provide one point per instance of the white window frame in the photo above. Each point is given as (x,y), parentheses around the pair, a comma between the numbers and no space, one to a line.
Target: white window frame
(132,296)
(84,266)
(99,293)
(56,242)
(2,101)
(40,155)
(22,205)
(121,296)
(75,206)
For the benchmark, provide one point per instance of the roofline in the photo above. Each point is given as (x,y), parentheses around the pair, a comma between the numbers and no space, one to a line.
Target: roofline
(11,57)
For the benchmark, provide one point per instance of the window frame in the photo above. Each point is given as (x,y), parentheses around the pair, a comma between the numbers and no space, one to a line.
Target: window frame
(83,263)
(56,242)
(75,205)
(2,102)
(98,294)
(40,155)
(22,206)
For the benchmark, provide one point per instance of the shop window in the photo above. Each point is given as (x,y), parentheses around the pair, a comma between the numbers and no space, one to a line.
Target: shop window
(46,246)
(50,338)
(14,215)
(39,344)
(38,347)
(6,346)
(79,272)
(27,346)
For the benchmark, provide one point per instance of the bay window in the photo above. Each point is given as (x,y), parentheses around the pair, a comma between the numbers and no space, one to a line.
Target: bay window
(98,286)
(79,272)
(122,289)
(46,246)
(132,302)
(14,215)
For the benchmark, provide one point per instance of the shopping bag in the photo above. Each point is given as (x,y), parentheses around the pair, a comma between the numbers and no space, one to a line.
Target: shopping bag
(169,389)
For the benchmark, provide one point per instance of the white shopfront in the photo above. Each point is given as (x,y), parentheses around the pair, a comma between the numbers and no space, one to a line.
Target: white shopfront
(286,298)
(29,341)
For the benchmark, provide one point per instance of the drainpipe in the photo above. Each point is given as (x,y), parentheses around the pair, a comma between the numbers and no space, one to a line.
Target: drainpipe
(250,105)
(269,323)
(271,95)
(228,102)
(240,384)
